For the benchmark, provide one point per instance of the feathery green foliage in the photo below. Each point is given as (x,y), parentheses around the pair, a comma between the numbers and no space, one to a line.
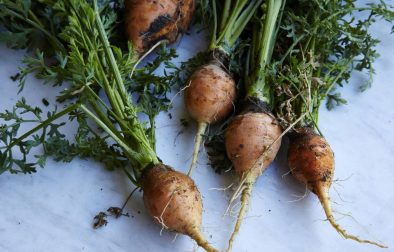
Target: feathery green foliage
(76,53)
(320,44)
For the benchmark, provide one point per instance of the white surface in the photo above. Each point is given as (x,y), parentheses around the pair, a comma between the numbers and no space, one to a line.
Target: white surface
(53,209)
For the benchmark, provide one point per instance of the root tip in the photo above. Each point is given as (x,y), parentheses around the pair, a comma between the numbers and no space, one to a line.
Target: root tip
(201,241)
(245,197)
(324,199)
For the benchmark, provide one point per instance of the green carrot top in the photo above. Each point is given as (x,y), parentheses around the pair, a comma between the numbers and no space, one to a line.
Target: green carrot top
(230,17)
(319,44)
(96,76)
(262,45)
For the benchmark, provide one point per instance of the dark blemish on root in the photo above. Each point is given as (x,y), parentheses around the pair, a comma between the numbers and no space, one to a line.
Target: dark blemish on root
(157,25)
(241,146)
(326,176)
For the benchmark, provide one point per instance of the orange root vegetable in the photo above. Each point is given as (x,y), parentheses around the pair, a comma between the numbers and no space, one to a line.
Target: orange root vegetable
(174,201)
(209,98)
(252,141)
(149,21)
(211,89)
(311,162)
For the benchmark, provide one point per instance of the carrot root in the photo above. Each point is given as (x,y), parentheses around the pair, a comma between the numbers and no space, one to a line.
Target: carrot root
(197,143)
(325,202)
(201,241)
(245,198)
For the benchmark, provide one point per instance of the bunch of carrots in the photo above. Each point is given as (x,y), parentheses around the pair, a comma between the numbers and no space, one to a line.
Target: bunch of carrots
(268,67)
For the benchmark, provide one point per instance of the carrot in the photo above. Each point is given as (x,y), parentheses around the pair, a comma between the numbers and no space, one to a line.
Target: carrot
(171,198)
(149,21)
(209,99)
(315,58)
(174,201)
(252,141)
(253,137)
(311,161)
(210,91)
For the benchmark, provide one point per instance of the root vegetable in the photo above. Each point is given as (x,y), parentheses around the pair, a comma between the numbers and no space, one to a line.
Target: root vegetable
(311,162)
(252,141)
(253,137)
(174,201)
(171,197)
(209,98)
(309,76)
(210,94)
(211,90)
(148,21)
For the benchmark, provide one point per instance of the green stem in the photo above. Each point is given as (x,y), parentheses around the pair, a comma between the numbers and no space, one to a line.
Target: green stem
(212,45)
(122,123)
(44,124)
(265,44)
(225,13)
(20,122)
(110,56)
(120,97)
(268,39)
(242,21)
(152,131)
(229,28)
(109,90)
(103,117)
(235,24)
(141,158)
(134,133)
